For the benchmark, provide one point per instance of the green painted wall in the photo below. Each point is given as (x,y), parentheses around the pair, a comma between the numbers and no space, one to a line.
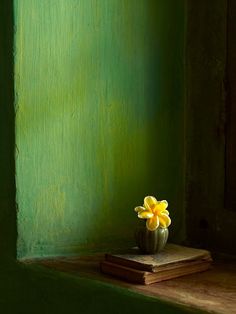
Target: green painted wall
(99,120)
(32,290)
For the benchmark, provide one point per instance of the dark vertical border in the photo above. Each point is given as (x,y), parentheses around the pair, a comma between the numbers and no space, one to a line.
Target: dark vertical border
(230,197)
(209,223)
(8,231)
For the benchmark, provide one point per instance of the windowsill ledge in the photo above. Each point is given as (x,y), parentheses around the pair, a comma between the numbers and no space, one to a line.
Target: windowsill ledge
(212,291)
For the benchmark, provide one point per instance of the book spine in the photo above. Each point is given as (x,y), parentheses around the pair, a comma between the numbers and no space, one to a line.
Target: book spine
(123,272)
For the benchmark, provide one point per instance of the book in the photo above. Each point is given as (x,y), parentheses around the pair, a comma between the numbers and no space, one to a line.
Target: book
(174,261)
(171,256)
(146,278)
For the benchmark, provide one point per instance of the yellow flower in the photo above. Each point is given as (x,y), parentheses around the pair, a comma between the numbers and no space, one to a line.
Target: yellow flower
(155,212)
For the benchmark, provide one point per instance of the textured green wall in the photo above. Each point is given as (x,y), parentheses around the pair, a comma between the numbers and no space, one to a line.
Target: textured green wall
(99,120)
(32,290)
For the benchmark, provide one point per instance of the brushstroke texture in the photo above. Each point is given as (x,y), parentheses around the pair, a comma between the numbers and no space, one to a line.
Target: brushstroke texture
(99,113)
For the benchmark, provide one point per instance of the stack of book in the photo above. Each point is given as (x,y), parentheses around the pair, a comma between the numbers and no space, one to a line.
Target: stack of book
(174,261)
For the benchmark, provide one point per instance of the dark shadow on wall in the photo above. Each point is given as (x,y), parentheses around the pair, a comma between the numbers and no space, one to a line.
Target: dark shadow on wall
(163,122)
(166,108)
(209,223)
(7,135)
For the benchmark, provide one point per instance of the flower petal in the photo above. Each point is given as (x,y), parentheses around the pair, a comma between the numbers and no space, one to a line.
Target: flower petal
(150,202)
(145,214)
(163,204)
(165,221)
(139,209)
(160,207)
(165,212)
(152,223)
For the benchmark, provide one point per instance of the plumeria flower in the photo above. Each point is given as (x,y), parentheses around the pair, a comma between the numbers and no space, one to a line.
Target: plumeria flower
(155,212)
